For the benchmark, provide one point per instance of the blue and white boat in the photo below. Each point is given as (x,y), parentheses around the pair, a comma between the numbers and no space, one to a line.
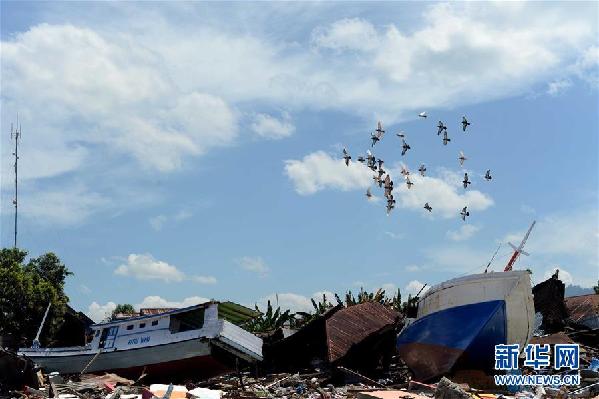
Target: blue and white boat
(197,340)
(461,320)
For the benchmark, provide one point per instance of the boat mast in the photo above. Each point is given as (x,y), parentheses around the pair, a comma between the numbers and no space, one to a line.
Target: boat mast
(16,135)
(519,250)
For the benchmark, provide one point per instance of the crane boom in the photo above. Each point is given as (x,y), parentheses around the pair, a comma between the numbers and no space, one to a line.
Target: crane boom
(519,250)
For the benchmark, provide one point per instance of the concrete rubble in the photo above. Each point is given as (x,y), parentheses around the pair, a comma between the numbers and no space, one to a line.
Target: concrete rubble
(346,353)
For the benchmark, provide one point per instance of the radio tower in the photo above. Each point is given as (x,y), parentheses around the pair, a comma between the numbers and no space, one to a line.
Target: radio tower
(15,133)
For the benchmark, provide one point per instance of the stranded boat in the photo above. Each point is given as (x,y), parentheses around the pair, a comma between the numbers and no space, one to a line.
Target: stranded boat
(460,321)
(194,339)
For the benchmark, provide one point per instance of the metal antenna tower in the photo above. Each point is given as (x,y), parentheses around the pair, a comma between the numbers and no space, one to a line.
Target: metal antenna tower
(15,133)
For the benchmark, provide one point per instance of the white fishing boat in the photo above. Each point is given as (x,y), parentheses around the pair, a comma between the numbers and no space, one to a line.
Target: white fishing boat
(191,340)
(459,322)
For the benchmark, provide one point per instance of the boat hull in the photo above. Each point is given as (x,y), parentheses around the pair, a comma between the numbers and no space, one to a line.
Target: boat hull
(194,356)
(434,344)
(461,320)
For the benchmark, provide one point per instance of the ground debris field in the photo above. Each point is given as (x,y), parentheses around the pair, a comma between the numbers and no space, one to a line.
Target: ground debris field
(346,352)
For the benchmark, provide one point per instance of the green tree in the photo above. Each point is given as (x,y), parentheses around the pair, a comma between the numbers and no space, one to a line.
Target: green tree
(26,291)
(123,308)
(270,320)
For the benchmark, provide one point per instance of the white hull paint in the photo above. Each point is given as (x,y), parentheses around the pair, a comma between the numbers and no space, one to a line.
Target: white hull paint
(72,362)
(513,287)
(153,341)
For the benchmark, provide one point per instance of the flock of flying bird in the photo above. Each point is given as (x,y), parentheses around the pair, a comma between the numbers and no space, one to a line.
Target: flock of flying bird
(376,164)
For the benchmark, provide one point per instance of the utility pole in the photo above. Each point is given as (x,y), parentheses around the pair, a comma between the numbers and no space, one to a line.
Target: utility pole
(16,135)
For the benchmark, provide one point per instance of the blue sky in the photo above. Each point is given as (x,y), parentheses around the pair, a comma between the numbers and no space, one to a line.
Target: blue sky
(182,151)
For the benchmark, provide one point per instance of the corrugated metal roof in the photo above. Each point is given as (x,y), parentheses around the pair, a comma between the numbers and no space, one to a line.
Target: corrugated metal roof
(351,325)
(582,307)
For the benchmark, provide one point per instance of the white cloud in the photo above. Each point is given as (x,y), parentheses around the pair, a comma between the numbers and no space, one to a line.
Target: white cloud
(318,171)
(463,233)
(558,86)
(346,34)
(98,312)
(395,236)
(84,289)
(159,93)
(460,258)
(444,194)
(253,264)
(65,206)
(155,301)
(587,66)
(145,267)
(413,268)
(563,275)
(157,222)
(118,92)
(567,238)
(204,279)
(413,287)
(269,127)
(295,302)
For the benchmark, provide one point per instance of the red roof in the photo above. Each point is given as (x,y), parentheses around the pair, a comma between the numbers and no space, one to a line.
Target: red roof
(353,324)
(582,307)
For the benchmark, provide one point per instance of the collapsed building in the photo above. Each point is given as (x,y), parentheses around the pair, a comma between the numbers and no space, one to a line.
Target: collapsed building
(360,337)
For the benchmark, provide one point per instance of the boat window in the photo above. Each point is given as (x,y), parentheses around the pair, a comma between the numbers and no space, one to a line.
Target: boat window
(97,332)
(130,327)
(142,325)
(185,321)
(155,323)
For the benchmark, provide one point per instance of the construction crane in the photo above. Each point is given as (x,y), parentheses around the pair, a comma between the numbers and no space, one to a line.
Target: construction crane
(518,250)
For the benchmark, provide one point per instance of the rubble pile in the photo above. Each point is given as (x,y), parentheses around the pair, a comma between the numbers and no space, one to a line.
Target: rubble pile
(344,353)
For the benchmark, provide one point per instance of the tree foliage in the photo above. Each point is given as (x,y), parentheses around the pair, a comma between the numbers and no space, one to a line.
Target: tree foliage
(270,320)
(123,308)
(26,289)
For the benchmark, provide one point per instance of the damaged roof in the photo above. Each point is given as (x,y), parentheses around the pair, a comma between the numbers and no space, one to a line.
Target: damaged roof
(353,324)
(584,309)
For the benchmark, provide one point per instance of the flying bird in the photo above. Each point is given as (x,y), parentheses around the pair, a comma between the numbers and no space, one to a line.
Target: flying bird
(361,159)
(445,138)
(378,134)
(409,182)
(465,123)
(388,186)
(346,156)
(380,162)
(389,208)
(422,114)
(428,207)
(462,158)
(381,172)
(404,170)
(441,127)
(488,175)
(368,193)
(422,169)
(466,181)
(401,134)
(405,147)
(464,213)
(371,160)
